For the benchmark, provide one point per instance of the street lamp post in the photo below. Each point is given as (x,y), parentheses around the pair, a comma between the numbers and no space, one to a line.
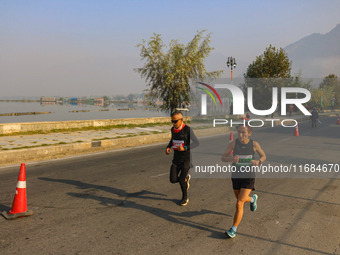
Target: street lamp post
(232,64)
(321,103)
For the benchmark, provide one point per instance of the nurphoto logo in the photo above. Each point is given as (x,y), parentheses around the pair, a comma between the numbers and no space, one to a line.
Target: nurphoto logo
(239,101)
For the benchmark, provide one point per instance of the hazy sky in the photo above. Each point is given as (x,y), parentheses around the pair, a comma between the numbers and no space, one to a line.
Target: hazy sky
(83,48)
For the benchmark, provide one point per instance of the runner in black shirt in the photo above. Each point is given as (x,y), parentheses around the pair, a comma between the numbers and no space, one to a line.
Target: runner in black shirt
(181,135)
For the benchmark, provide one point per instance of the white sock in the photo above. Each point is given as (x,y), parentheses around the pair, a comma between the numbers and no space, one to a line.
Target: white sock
(234,228)
(252,200)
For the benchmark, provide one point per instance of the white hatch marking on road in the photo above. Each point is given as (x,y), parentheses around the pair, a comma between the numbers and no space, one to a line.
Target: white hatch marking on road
(150,129)
(284,139)
(158,175)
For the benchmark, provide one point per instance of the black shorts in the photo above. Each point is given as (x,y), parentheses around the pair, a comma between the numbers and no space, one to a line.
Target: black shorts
(243,183)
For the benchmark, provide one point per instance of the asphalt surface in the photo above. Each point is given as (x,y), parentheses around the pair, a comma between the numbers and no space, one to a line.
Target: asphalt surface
(121,202)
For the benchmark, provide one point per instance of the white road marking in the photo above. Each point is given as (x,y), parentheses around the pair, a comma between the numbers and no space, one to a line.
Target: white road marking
(284,139)
(158,175)
(150,129)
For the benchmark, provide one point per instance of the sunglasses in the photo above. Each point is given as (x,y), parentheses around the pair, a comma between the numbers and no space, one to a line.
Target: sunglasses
(175,121)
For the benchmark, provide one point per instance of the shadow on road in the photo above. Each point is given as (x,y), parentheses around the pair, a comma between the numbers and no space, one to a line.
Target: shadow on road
(181,218)
(4,208)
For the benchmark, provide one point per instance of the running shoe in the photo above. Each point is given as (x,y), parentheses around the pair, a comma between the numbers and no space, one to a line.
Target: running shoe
(188,179)
(184,201)
(231,233)
(253,205)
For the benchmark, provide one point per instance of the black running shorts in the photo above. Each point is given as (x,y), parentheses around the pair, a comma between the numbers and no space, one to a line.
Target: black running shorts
(243,183)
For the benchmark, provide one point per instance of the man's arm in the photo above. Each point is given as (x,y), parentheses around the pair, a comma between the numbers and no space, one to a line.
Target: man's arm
(170,143)
(193,138)
(168,148)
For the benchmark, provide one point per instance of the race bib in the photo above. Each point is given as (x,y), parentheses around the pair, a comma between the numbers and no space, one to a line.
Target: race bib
(176,143)
(244,160)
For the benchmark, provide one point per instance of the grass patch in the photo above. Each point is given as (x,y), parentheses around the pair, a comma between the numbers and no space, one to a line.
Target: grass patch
(70,130)
(132,135)
(35,146)
(143,133)
(104,138)
(26,147)
(158,132)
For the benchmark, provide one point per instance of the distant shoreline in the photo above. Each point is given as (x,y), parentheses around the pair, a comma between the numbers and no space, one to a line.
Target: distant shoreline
(38,101)
(19,100)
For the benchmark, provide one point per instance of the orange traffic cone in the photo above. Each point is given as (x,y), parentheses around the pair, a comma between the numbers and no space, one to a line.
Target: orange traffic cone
(338,122)
(231,138)
(19,206)
(296,132)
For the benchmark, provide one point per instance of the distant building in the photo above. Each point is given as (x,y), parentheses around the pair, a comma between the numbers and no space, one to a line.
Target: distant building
(140,101)
(99,101)
(158,102)
(48,99)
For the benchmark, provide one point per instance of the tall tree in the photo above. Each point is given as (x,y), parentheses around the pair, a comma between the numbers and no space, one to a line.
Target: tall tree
(273,63)
(271,69)
(330,80)
(168,73)
(330,87)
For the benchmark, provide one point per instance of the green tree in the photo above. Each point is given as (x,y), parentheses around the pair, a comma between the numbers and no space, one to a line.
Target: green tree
(271,69)
(168,73)
(315,101)
(329,87)
(273,63)
(330,80)
(337,96)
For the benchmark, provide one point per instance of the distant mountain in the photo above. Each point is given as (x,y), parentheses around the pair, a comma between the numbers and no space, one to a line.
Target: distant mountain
(316,55)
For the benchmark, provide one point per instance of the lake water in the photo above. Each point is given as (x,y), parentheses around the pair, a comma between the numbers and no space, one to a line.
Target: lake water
(63,112)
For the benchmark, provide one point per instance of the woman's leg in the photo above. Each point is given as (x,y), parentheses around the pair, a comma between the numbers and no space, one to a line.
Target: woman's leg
(242,198)
(236,192)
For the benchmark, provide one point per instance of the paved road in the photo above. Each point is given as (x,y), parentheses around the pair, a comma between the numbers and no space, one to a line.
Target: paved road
(122,203)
